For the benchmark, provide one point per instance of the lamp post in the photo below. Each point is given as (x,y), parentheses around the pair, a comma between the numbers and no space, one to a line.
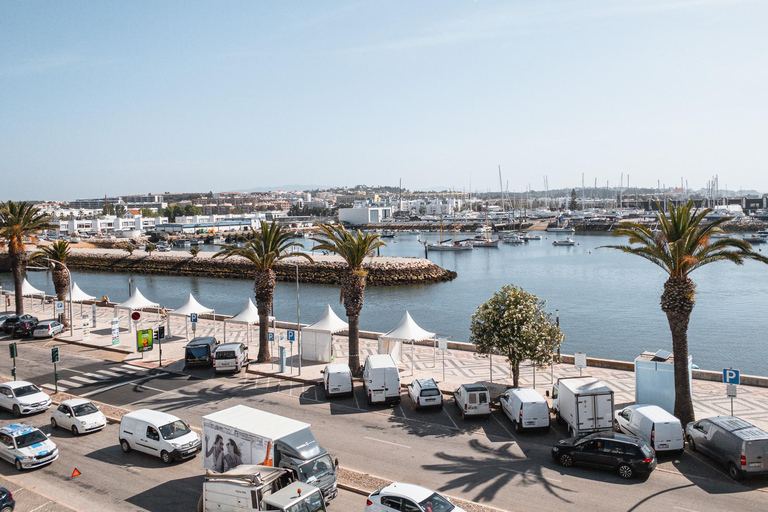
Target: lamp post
(298,313)
(69,276)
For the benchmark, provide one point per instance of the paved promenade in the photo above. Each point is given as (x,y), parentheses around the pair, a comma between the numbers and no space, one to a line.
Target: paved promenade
(449,370)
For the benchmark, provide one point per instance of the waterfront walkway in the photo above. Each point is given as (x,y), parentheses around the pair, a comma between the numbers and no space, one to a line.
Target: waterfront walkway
(451,369)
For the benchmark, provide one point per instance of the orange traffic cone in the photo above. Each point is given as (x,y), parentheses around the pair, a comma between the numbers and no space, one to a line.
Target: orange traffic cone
(75,473)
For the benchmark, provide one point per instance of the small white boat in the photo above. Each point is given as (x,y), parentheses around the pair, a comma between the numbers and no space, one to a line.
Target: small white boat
(182,242)
(448,246)
(485,242)
(528,236)
(219,240)
(720,235)
(513,239)
(756,239)
(568,241)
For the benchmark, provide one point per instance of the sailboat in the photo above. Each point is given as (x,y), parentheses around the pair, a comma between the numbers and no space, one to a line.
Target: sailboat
(479,241)
(449,245)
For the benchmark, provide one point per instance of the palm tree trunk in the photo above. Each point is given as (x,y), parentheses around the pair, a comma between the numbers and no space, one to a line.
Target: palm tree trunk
(353,287)
(17,266)
(354,345)
(677,302)
(265,291)
(264,355)
(61,283)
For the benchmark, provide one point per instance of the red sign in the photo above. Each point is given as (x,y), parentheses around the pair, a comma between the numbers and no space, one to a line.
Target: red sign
(135,316)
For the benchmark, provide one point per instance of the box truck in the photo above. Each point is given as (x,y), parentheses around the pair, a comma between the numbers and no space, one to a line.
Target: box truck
(253,487)
(583,403)
(243,435)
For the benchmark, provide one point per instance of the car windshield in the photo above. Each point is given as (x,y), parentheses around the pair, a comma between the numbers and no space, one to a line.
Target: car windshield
(197,352)
(225,354)
(84,409)
(26,390)
(436,503)
(312,503)
(316,469)
(29,439)
(174,430)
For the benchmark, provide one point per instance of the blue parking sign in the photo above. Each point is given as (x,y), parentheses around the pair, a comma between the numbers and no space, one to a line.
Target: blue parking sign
(270,336)
(193,318)
(730,376)
(291,335)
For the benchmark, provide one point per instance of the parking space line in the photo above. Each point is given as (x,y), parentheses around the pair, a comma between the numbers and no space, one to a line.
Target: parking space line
(387,442)
(502,426)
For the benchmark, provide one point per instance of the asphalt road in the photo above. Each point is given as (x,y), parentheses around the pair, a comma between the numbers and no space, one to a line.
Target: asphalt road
(479,460)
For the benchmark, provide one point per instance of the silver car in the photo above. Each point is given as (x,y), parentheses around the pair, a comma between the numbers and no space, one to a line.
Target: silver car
(47,329)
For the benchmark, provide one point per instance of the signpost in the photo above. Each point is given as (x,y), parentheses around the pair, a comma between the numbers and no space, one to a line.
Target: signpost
(93,314)
(59,308)
(54,360)
(271,340)
(193,319)
(580,361)
(144,340)
(86,327)
(291,338)
(442,345)
(115,331)
(732,378)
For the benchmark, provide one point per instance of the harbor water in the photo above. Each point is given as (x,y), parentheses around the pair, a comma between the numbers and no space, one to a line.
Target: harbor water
(608,302)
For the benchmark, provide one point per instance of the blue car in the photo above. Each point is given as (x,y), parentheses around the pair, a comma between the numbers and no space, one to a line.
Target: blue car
(7,503)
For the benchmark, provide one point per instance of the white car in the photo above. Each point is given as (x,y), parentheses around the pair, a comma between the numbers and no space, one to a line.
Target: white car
(26,447)
(22,397)
(408,497)
(230,357)
(79,416)
(47,329)
(425,393)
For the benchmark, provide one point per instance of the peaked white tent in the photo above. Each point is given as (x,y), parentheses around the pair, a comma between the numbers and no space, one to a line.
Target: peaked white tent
(317,339)
(78,295)
(137,302)
(249,315)
(192,306)
(407,330)
(27,290)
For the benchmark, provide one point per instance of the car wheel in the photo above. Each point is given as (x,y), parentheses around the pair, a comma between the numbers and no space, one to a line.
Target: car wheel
(166,457)
(734,472)
(559,419)
(692,443)
(626,471)
(74,430)
(7,509)
(16,411)
(53,423)
(566,460)
(18,465)
(125,446)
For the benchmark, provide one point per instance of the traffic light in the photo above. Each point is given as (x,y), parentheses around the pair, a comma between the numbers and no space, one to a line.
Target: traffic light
(55,354)
(57,376)
(14,352)
(161,332)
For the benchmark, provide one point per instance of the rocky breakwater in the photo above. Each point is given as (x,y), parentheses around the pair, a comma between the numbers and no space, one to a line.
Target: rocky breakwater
(325,269)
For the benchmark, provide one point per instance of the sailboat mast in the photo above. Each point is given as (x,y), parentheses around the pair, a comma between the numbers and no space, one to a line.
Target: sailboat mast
(501,189)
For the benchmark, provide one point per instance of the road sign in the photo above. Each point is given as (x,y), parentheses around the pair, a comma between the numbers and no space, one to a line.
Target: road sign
(270,336)
(135,316)
(291,335)
(86,327)
(144,340)
(442,344)
(115,331)
(731,376)
(730,390)
(580,360)
(59,307)
(193,318)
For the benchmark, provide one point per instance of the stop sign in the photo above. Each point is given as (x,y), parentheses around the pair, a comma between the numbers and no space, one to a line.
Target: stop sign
(135,316)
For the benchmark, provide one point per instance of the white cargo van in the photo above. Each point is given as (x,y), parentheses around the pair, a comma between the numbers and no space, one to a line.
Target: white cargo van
(473,400)
(526,408)
(381,379)
(337,379)
(653,425)
(158,433)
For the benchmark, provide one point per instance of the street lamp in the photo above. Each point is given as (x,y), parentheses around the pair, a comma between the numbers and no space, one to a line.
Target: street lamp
(69,276)
(298,313)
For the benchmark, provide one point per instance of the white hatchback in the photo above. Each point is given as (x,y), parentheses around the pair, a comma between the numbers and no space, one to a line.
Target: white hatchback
(79,416)
(22,397)
(409,497)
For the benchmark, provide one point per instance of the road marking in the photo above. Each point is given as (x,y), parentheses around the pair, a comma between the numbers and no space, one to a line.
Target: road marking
(527,473)
(113,386)
(111,374)
(445,410)
(68,383)
(51,386)
(502,425)
(97,376)
(684,509)
(387,442)
(84,379)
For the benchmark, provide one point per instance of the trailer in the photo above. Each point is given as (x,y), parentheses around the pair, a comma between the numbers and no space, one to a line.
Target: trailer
(585,404)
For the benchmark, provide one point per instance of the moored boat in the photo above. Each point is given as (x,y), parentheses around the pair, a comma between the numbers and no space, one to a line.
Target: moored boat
(568,241)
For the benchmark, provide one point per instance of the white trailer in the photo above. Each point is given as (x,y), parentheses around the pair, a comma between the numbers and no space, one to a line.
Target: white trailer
(585,404)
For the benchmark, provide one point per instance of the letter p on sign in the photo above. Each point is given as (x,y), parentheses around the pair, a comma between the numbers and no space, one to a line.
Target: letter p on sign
(730,376)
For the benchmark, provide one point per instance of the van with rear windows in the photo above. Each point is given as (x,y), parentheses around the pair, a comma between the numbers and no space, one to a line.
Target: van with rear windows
(337,380)
(652,424)
(381,379)
(473,400)
(526,408)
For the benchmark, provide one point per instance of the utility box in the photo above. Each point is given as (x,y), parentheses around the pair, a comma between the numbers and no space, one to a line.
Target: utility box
(655,379)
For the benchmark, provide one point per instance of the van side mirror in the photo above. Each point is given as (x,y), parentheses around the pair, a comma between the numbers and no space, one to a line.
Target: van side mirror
(322,371)
(336,463)
(362,368)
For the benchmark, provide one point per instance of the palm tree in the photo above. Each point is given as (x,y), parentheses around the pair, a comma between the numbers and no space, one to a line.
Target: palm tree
(353,249)
(149,247)
(59,252)
(18,220)
(681,245)
(194,251)
(129,248)
(267,247)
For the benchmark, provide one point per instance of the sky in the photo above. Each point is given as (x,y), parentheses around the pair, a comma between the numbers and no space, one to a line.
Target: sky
(108,98)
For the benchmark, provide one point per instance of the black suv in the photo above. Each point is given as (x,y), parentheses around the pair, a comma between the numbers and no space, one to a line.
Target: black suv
(24,328)
(11,322)
(608,450)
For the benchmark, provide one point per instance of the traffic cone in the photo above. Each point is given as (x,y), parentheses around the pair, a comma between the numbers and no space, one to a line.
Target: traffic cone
(75,473)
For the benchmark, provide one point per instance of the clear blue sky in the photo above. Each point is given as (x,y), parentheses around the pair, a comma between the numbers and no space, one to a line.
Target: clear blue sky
(136,97)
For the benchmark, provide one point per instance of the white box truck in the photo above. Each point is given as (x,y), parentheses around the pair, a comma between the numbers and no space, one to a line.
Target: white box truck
(583,403)
(243,435)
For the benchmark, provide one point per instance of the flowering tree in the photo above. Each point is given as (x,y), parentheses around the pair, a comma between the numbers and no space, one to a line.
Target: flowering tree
(513,323)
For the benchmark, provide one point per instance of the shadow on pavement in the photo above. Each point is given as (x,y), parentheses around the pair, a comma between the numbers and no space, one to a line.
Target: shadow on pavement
(181,494)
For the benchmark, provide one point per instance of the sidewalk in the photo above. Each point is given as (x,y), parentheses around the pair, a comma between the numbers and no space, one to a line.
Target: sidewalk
(454,368)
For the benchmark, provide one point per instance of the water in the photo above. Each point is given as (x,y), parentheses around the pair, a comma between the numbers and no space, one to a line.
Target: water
(608,301)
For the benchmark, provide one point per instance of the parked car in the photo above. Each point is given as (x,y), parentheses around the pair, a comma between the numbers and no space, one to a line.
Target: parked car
(47,329)
(12,320)
(3,318)
(624,454)
(337,380)
(473,400)
(24,328)
(526,408)
(158,433)
(653,425)
(381,379)
(737,444)
(79,416)
(408,497)
(230,357)
(199,351)
(7,503)
(22,397)
(26,447)
(425,393)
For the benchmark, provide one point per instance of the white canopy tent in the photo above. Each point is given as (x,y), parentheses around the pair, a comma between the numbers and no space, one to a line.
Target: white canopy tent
(27,290)
(77,295)
(137,302)
(407,330)
(317,339)
(192,306)
(249,315)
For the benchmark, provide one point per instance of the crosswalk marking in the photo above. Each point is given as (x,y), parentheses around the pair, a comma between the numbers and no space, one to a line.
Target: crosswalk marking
(68,383)
(111,374)
(83,379)
(52,387)
(96,376)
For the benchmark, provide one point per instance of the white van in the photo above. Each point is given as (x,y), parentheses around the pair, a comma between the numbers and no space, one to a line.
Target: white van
(337,379)
(473,400)
(526,408)
(157,433)
(381,379)
(653,425)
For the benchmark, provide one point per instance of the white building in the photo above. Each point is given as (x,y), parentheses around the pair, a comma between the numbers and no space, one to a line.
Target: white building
(367,215)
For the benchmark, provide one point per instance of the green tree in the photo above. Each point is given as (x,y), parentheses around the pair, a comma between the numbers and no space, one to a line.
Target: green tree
(129,248)
(120,210)
(58,252)
(17,221)
(353,249)
(146,212)
(268,246)
(513,323)
(191,209)
(194,251)
(178,211)
(149,247)
(681,245)
(573,204)
(108,209)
